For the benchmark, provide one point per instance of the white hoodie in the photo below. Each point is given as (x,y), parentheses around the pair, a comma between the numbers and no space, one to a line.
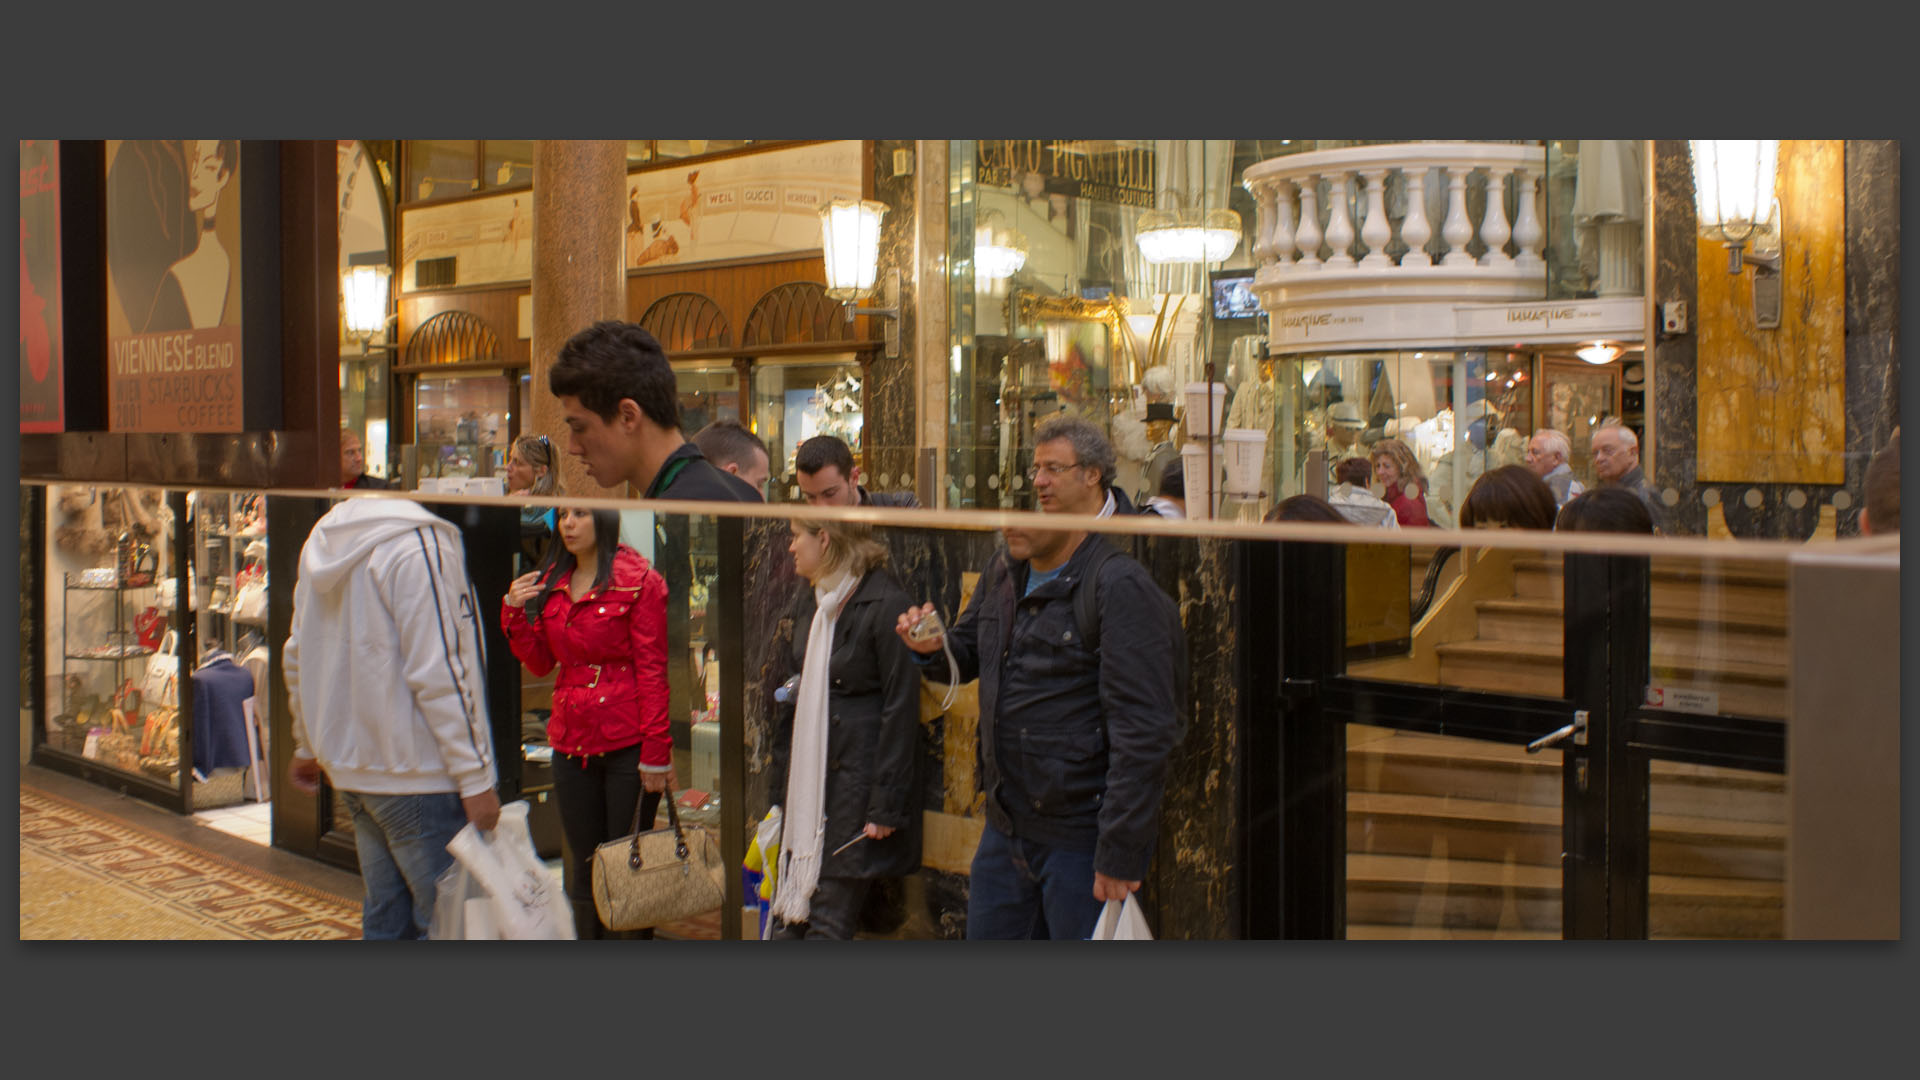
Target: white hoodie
(385,668)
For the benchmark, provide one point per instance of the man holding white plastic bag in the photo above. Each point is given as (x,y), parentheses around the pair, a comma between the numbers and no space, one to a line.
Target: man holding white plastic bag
(386,678)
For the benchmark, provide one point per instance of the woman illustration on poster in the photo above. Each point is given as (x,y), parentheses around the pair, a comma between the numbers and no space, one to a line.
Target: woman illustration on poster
(194,292)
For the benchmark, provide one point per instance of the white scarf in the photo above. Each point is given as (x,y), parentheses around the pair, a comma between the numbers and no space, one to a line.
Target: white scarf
(805,812)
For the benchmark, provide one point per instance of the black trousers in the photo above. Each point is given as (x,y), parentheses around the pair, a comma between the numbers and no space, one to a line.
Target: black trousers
(833,911)
(597,797)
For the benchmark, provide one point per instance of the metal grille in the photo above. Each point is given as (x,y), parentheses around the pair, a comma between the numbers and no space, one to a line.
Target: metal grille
(453,337)
(794,313)
(685,321)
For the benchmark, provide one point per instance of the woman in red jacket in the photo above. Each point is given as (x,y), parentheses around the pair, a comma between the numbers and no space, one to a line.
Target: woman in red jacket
(596,610)
(1398,472)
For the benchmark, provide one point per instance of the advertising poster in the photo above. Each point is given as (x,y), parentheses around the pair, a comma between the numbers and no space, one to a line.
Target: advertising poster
(42,405)
(173,285)
(737,208)
(470,242)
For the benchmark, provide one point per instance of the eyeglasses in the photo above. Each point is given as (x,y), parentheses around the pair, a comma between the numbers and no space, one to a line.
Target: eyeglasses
(1051,468)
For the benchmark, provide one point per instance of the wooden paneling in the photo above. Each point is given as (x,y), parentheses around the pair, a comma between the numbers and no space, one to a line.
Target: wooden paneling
(1772,403)
(499,308)
(735,287)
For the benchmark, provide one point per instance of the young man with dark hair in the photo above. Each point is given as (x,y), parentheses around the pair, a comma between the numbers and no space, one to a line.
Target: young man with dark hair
(732,448)
(828,477)
(623,417)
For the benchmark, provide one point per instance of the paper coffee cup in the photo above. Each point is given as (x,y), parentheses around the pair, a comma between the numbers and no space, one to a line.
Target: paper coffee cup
(1193,462)
(1243,449)
(1203,421)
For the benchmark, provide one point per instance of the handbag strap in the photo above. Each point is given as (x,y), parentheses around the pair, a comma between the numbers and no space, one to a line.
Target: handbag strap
(680,849)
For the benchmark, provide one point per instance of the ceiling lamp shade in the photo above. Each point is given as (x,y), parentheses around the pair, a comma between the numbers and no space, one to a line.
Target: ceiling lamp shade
(1187,235)
(850,239)
(1598,353)
(364,289)
(998,251)
(1733,189)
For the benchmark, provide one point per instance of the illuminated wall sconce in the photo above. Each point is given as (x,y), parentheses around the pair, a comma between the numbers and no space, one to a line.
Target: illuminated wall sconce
(1733,193)
(850,241)
(364,292)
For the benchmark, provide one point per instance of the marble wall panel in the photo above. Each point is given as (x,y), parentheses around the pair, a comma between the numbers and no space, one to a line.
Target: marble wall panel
(1771,406)
(1871,346)
(892,435)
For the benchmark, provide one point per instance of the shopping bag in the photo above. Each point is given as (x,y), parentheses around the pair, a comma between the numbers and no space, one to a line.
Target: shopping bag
(1122,921)
(522,900)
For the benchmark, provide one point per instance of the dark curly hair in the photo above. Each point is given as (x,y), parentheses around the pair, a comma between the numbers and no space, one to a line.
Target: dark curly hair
(612,361)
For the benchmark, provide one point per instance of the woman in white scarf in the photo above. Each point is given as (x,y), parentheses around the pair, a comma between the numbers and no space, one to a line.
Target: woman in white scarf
(851,752)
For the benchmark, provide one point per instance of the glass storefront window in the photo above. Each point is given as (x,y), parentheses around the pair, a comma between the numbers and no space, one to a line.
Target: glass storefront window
(462,424)
(440,168)
(794,400)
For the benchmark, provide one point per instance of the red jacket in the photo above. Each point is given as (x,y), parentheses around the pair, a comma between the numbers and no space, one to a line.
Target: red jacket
(611,648)
(1410,511)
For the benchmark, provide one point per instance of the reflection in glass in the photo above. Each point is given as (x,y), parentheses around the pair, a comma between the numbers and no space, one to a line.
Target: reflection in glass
(1451,838)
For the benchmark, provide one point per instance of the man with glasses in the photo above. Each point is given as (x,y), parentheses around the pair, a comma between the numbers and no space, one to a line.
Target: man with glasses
(1078,705)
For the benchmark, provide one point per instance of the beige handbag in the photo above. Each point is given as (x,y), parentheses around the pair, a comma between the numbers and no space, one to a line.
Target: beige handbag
(658,876)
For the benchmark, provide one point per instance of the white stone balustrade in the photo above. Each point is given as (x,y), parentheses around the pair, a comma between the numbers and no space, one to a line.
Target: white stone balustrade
(1366,262)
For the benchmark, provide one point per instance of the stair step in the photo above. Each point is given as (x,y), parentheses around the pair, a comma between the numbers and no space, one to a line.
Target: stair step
(1375,932)
(1740,592)
(1384,761)
(1423,892)
(1425,825)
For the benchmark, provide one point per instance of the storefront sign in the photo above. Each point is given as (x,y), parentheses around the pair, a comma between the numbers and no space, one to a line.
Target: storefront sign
(173,286)
(1102,171)
(42,402)
(1376,324)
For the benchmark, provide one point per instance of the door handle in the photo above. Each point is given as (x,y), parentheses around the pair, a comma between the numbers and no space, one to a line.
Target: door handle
(1577,729)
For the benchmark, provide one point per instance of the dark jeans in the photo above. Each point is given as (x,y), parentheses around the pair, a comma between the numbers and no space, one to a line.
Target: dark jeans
(402,843)
(596,800)
(833,912)
(1021,889)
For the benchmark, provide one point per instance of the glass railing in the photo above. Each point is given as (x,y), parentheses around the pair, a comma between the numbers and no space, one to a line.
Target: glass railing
(1359,706)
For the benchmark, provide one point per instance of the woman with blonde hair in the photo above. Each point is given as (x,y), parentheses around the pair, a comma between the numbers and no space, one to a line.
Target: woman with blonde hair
(1398,471)
(846,755)
(532,470)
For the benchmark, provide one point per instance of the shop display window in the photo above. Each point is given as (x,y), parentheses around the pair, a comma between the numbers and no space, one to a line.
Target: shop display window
(463,424)
(155,642)
(794,400)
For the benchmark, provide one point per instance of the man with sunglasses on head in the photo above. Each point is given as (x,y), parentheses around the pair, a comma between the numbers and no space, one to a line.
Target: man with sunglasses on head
(1079,707)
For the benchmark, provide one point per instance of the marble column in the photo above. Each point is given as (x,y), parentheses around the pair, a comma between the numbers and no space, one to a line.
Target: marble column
(891,437)
(579,268)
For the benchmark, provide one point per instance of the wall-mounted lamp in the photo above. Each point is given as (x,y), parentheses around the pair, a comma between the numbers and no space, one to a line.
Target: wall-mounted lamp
(998,251)
(1598,353)
(504,174)
(1733,194)
(364,289)
(850,241)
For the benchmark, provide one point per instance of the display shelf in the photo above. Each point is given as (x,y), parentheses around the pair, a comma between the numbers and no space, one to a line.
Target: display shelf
(113,659)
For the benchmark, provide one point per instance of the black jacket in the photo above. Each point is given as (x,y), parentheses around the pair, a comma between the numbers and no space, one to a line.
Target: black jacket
(873,733)
(1073,744)
(905,499)
(699,480)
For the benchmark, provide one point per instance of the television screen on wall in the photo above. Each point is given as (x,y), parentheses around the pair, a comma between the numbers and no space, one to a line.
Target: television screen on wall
(1233,295)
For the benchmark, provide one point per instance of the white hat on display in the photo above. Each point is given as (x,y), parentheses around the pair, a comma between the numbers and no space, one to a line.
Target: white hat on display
(1346,414)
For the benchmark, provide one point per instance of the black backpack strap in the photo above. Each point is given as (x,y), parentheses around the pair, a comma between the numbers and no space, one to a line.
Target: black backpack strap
(1086,595)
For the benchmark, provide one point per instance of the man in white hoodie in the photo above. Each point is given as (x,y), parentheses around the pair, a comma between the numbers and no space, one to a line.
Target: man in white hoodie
(386,680)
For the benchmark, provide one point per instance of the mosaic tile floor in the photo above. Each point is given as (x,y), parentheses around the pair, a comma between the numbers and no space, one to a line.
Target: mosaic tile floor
(83,876)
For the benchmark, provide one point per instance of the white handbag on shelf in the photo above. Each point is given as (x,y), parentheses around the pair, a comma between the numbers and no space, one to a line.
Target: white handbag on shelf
(169,588)
(250,603)
(161,686)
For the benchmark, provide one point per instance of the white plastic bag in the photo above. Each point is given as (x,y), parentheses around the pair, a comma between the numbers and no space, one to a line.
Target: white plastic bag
(498,887)
(1122,921)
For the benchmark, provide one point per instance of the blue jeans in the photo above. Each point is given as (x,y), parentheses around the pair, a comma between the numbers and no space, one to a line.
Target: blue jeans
(1021,889)
(402,841)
